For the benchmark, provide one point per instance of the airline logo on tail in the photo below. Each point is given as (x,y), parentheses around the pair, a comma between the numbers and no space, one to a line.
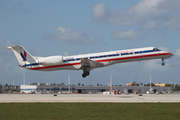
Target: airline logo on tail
(24,56)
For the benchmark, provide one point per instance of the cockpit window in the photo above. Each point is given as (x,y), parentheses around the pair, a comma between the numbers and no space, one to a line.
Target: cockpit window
(156,49)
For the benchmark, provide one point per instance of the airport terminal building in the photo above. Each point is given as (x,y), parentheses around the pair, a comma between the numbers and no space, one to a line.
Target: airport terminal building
(53,88)
(57,88)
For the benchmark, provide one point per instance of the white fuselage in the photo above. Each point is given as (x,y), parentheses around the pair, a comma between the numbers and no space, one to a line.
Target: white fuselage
(107,58)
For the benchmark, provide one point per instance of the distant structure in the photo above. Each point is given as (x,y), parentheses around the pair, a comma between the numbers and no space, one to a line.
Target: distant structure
(46,88)
(9,88)
(160,85)
(28,88)
(1,88)
(129,84)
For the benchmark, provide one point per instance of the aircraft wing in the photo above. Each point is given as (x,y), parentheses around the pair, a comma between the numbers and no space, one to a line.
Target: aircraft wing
(89,63)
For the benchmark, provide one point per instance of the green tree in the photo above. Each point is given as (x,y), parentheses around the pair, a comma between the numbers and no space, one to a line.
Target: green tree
(177,87)
(152,84)
(62,84)
(168,85)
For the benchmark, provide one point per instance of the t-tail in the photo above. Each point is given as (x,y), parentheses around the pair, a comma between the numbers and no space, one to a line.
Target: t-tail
(23,56)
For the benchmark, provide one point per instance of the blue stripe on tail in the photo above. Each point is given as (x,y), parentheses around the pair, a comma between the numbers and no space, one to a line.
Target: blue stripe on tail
(23,57)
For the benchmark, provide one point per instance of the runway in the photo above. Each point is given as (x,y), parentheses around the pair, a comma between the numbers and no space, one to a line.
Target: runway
(131,98)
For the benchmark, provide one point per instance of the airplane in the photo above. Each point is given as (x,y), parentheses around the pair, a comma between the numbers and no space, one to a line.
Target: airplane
(86,62)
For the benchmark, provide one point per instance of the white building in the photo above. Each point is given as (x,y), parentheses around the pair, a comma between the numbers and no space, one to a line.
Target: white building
(28,88)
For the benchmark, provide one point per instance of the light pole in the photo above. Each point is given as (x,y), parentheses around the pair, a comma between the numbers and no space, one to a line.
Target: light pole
(69,81)
(150,84)
(23,78)
(111,82)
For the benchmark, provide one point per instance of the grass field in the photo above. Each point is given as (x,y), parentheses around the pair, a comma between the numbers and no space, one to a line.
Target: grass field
(90,111)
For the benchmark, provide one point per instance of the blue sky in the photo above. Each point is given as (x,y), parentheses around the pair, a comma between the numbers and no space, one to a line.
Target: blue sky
(71,27)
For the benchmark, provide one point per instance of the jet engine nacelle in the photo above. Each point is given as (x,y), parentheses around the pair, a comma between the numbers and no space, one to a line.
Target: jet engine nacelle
(52,60)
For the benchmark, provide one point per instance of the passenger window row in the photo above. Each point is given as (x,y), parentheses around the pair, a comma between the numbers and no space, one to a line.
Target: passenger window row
(121,54)
(101,56)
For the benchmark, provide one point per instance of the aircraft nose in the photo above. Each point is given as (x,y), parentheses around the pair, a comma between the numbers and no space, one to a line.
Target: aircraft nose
(170,54)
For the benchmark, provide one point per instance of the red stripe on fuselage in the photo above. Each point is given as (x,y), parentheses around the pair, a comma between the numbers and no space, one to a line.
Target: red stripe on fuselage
(106,60)
(55,66)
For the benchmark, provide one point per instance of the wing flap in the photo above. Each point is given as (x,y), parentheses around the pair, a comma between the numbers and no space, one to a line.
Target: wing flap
(89,63)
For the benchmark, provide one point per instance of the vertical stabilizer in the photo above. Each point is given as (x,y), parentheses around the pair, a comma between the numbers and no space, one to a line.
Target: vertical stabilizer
(22,55)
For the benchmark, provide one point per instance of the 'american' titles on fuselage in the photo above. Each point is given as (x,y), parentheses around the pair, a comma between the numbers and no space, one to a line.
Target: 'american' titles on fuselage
(87,62)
